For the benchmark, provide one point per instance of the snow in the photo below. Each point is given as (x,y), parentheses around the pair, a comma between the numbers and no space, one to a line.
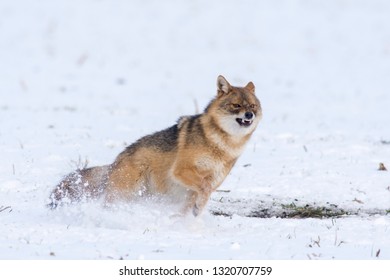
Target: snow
(81,80)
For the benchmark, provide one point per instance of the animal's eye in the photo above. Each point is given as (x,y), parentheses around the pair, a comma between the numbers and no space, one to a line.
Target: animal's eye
(253,106)
(235,105)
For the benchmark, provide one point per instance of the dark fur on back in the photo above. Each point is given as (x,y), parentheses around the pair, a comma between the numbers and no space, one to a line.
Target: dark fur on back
(164,140)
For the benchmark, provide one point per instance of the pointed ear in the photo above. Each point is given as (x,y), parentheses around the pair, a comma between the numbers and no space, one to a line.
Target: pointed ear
(251,87)
(223,85)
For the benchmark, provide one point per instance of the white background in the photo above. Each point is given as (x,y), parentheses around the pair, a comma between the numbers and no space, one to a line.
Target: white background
(82,79)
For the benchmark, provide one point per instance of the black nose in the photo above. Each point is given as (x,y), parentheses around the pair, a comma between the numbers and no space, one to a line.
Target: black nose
(248,115)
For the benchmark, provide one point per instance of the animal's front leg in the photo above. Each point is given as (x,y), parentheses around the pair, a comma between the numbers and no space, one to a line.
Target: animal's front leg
(190,201)
(202,197)
(200,190)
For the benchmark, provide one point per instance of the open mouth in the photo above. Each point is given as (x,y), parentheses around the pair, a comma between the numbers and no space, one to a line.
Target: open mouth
(243,122)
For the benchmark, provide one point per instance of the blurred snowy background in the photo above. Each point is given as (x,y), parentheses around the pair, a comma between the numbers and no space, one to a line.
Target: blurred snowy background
(82,79)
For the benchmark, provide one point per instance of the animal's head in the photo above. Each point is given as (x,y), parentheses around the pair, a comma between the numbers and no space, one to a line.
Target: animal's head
(236,109)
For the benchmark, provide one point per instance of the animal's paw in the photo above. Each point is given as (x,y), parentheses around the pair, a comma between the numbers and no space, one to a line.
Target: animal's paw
(195,210)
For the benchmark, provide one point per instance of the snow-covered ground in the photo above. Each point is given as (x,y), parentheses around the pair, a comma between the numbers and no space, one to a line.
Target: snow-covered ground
(80,80)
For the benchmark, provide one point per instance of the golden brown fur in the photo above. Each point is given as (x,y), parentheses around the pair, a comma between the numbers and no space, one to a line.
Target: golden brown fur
(193,157)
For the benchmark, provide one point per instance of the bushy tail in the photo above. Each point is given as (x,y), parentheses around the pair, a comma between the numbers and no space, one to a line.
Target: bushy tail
(80,185)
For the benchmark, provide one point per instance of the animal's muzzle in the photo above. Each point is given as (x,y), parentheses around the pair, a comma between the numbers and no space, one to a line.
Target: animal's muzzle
(249,115)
